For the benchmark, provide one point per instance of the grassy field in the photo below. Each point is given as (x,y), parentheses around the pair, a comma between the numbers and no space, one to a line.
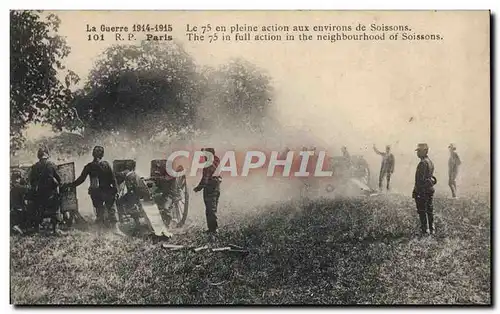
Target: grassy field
(357,251)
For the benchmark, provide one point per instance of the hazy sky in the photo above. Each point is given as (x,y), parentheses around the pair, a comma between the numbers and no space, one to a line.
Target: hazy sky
(350,92)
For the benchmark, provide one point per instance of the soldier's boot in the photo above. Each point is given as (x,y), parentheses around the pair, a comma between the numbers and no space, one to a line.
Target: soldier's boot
(36,226)
(68,219)
(33,224)
(54,227)
(56,230)
(430,218)
(211,222)
(423,222)
(167,219)
(99,223)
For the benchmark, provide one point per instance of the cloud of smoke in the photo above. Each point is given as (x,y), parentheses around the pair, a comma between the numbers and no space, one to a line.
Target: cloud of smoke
(292,128)
(243,195)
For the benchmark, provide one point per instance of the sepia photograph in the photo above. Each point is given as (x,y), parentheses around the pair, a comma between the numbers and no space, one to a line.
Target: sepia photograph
(325,158)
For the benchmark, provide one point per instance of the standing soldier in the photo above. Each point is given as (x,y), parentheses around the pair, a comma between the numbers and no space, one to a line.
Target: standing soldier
(347,162)
(387,166)
(210,184)
(166,194)
(44,182)
(345,153)
(103,188)
(423,192)
(453,164)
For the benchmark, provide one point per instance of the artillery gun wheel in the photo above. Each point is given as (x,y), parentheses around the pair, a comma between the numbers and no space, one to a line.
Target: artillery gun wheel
(183,201)
(329,188)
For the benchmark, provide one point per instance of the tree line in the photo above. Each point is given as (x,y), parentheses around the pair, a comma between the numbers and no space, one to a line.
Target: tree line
(141,90)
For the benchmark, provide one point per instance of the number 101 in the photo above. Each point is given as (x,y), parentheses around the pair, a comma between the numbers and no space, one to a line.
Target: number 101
(96,37)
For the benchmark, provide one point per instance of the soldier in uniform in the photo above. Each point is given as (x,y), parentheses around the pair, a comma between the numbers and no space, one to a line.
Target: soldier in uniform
(103,188)
(454,163)
(210,184)
(423,192)
(44,183)
(387,166)
(130,201)
(345,153)
(344,168)
(166,194)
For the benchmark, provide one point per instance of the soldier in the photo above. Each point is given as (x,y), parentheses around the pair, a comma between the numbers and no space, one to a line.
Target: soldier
(129,201)
(210,184)
(347,161)
(454,163)
(44,183)
(387,166)
(423,192)
(103,188)
(345,153)
(166,194)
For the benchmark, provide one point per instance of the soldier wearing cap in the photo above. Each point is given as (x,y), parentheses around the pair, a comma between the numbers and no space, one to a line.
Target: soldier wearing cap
(387,166)
(166,195)
(423,192)
(102,190)
(454,163)
(44,183)
(210,184)
(347,161)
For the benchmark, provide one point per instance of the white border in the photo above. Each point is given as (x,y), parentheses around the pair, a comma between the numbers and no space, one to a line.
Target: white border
(191,5)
